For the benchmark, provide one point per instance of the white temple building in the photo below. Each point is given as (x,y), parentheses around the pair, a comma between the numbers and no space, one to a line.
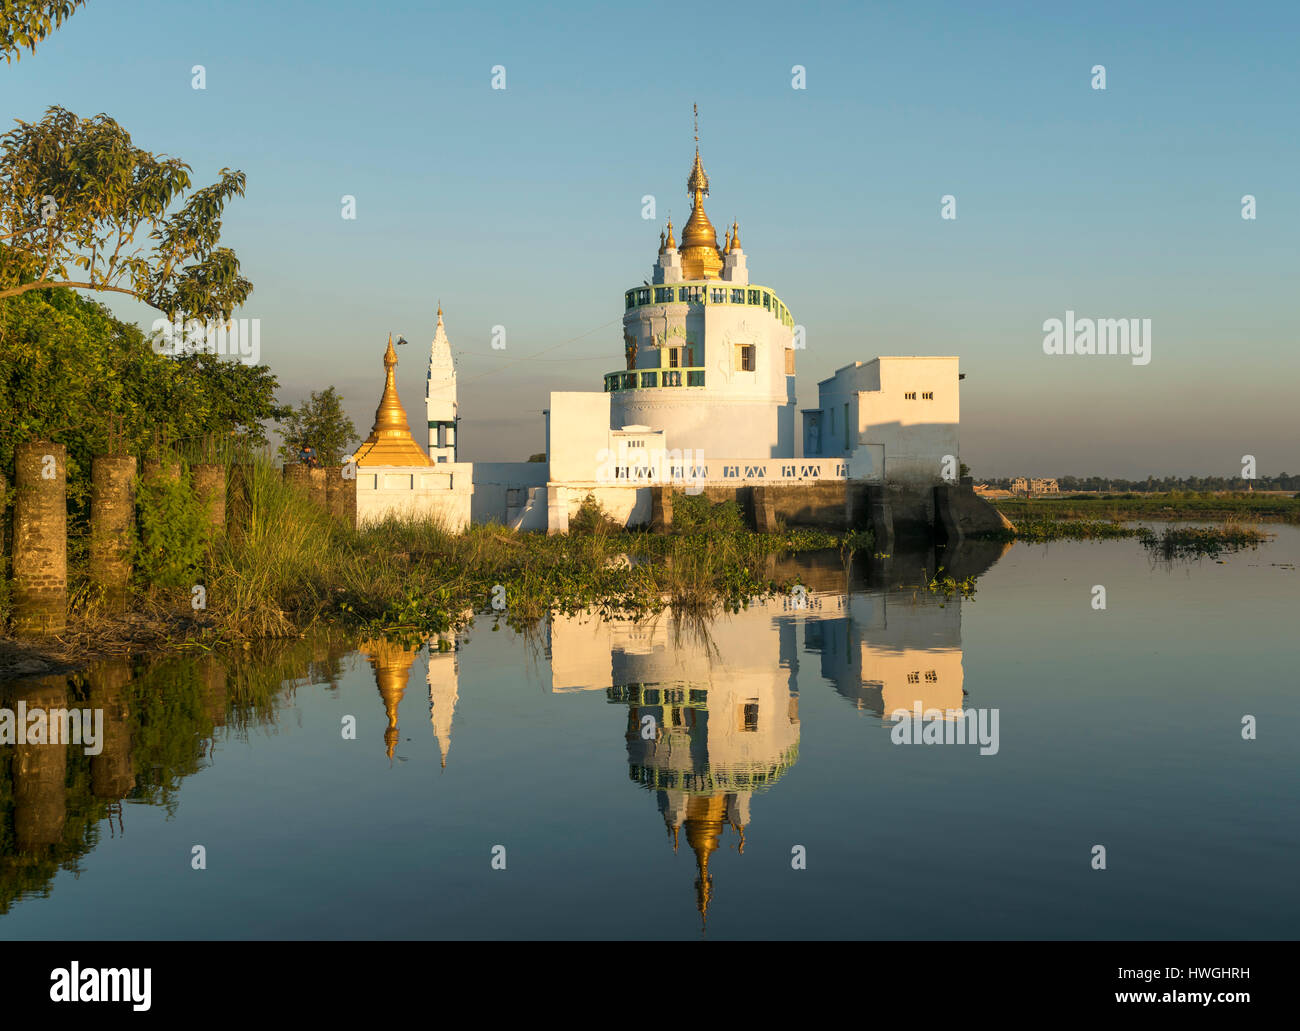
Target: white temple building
(705,400)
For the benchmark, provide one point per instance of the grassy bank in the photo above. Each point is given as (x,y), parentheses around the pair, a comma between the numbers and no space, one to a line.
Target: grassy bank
(295,568)
(1180,505)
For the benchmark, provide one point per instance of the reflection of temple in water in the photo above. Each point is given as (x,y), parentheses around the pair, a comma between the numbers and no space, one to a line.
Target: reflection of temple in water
(723,702)
(713,716)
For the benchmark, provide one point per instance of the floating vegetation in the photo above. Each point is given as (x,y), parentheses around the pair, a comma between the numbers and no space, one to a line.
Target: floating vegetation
(948,585)
(1171,543)
(1198,541)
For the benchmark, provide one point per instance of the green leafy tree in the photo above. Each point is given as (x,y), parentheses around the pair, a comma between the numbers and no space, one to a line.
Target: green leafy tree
(321,422)
(24,23)
(82,206)
(104,389)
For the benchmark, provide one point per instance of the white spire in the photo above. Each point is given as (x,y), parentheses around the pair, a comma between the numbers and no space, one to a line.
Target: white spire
(440,396)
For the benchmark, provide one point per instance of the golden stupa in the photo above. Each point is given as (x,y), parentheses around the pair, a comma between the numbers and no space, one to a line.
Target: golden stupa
(699,250)
(390,442)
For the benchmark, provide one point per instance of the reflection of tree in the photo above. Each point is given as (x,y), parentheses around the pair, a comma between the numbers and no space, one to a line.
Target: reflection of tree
(160,722)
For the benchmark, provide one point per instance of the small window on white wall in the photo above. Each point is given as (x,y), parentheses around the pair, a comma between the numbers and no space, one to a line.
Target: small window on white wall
(744,357)
(928,396)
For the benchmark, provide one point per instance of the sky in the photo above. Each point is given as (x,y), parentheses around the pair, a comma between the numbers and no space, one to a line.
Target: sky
(522,207)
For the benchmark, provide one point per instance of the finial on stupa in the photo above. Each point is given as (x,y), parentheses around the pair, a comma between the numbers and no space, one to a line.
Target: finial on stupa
(672,244)
(735,235)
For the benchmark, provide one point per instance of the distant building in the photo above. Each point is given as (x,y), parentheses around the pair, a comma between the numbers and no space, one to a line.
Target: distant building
(1033,485)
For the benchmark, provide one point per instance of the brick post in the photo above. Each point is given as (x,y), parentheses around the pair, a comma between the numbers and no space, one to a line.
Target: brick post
(239,500)
(210,488)
(112,515)
(316,485)
(40,538)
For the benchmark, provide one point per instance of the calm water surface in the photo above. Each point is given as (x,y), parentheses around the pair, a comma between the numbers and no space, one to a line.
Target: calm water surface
(767,730)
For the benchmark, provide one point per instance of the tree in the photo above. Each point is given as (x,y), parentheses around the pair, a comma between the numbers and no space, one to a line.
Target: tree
(320,422)
(77,193)
(104,389)
(24,23)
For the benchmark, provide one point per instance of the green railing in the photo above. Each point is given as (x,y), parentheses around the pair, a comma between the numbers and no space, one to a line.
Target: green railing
(654,379)
(710,291)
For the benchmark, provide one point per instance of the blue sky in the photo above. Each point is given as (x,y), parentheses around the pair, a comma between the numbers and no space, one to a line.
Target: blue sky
(522,207)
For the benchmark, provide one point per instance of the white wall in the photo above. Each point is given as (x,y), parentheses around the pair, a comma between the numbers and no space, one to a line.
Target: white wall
(441,492)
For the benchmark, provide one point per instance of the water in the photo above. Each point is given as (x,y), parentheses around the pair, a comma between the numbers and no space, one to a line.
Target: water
(1118,727)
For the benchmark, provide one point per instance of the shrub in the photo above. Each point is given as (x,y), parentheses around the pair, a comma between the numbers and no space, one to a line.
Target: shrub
(695,513)
(172,531)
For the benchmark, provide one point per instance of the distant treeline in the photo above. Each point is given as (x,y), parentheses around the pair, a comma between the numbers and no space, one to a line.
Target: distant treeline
(1113,484)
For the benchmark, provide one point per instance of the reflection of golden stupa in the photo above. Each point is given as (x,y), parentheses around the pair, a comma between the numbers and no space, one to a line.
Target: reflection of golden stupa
(390,442)
(392,665)
(705,815)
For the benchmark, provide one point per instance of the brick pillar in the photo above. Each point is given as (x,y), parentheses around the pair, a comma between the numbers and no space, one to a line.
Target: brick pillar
(298,476)
(210,487)
(168,469)
(343,503)
(318,489)
(239,500)
(661,509)
(40,538)
(112,514)
(335,497)
(4,540)
(764,511)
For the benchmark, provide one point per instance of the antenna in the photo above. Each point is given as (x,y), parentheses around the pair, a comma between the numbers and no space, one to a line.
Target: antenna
(696,108)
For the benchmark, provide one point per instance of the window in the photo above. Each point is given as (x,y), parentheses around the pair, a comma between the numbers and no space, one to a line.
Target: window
(789,361)
(745,357)
(749,717)
(631,298)
(767,300)
(663,294)
(914,678)
(931,676)
(910,396)
(643,295)
(737,296)
(928,396)
(753,296)
(674,357)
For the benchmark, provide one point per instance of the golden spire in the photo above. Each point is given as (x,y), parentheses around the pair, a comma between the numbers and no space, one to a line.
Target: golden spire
(735,235)
(672,244)
(700,257)
(390,441)
(726,247)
